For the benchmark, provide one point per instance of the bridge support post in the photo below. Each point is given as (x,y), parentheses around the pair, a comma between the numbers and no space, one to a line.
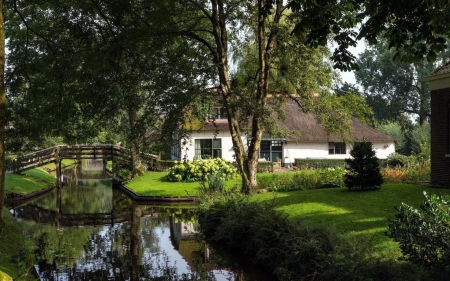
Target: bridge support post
(58,167)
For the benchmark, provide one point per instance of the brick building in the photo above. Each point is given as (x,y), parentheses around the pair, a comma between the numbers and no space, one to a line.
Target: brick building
(439,83)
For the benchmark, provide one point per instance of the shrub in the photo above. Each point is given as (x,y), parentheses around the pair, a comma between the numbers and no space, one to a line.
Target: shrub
(214,183)
(397,159)
(418,171)
(199,170)
(395,175)
(165,164)
(363,169)
(289,249)
(332,176)
(305,164)
(303,179)
(265,167)
(124,175)
(412,170)
(424,234)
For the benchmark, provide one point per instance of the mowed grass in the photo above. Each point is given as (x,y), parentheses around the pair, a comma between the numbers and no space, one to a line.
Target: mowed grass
(364,213)
(155,184)
(28,181)
(64,163)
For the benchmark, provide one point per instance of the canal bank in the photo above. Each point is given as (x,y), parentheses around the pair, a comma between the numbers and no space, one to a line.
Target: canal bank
(89,229)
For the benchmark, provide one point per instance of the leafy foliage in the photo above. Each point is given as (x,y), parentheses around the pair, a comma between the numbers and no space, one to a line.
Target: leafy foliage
(198,170)
(302,180)
(394,88)
(213,183)
(395,130)
(363,170)
(289,249)
(424,233)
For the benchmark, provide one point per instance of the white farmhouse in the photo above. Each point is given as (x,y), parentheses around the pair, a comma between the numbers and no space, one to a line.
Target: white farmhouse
(309,140)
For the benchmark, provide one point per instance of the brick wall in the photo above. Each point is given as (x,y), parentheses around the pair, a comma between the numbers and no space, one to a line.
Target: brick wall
(440,165)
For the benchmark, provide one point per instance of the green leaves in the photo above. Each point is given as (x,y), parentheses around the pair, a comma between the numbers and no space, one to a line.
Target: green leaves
(415,29)
(424,233)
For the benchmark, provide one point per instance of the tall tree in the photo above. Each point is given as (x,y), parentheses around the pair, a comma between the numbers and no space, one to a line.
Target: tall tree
(101,63)
(2,112)
(394,88)
(216,29)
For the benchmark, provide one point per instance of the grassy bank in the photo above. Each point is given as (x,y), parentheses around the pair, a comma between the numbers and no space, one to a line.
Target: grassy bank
(32,180)
(356,213)
(12,241)
(156,184)
(28,181)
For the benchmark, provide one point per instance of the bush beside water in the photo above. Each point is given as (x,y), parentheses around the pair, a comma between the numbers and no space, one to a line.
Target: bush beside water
(290,249)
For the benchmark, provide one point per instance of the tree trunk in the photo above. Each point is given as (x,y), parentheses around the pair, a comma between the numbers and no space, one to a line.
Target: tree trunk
(133,141)
(2,113)
(247,162)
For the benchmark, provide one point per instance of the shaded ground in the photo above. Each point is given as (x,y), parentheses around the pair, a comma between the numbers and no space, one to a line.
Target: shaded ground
(364,214)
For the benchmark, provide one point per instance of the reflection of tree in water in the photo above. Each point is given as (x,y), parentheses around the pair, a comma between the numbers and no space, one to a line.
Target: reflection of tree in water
(79,199)
(125,251)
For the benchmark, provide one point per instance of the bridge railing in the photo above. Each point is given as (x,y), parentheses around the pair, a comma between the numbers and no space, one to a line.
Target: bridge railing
(32,160)
(77,152)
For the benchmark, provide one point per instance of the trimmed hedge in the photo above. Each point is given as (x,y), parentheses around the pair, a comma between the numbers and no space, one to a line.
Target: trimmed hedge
(265,167)
(304,164)
(164,165)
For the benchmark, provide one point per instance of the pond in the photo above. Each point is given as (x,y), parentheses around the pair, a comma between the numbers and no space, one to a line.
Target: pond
(89,230)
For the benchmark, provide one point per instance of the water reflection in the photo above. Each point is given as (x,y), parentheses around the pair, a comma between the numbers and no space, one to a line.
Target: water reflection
(89,231)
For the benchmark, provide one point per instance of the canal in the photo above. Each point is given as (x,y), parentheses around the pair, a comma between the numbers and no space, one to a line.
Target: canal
(88,230)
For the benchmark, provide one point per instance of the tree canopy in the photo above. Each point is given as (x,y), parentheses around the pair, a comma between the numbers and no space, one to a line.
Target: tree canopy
(86,61)
(394,88)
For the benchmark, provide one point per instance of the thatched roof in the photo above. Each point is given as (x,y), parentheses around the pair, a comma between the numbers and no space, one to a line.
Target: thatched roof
(309,129)
(306,128)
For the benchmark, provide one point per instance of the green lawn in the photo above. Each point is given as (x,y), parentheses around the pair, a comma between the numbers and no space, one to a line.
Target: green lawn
(28,181)
(64,162)
(155,184)
(356,213)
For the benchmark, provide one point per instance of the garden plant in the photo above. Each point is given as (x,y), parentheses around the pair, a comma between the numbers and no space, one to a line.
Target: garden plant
(363,172)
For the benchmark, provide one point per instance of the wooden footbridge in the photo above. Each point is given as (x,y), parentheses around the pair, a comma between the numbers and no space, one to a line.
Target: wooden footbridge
(106,152)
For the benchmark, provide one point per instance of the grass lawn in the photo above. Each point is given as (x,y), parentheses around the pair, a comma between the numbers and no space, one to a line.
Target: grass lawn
(356,213)
(28,181)
(64,162)
(155,184)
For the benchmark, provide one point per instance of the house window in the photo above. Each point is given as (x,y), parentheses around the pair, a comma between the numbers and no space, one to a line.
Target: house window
(271,150)
(220,113)
(336,148)
(208,148)
(176,149)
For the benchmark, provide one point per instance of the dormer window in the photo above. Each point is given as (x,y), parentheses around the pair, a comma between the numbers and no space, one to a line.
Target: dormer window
(220,113)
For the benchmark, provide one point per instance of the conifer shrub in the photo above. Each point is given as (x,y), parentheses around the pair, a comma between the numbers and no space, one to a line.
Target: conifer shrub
(363,169)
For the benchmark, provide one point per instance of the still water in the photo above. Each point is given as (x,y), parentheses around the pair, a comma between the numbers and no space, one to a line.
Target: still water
(90,231)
